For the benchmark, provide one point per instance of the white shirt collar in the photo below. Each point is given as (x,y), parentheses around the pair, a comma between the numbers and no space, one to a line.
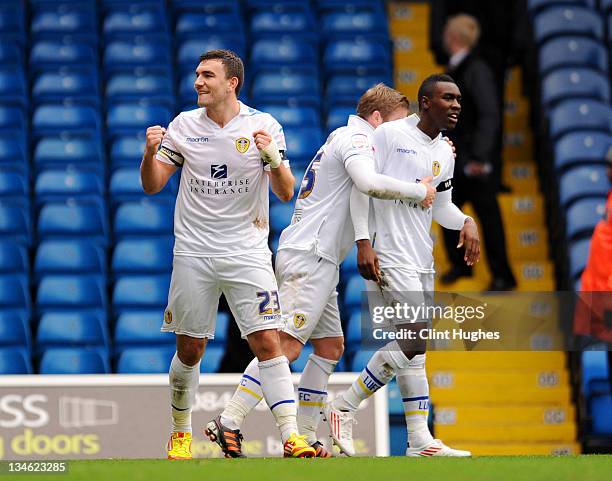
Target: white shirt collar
(458,57)
(361,124)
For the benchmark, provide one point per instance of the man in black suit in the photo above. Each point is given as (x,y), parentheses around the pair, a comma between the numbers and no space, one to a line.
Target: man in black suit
(475,139)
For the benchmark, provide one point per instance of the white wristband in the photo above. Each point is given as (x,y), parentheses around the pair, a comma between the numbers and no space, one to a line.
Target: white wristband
(270,155)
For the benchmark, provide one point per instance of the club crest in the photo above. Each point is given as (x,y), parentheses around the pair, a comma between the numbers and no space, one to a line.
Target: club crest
(242,144)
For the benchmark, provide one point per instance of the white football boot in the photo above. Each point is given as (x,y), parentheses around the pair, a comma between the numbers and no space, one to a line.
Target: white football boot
(341,427)
(436,448)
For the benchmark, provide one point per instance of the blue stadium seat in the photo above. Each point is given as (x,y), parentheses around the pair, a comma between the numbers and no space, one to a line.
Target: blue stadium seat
(141,360)
(396,406)
(189,51)
(535,6)
(126,186)
(12,23)
(352,332)
(142,256)
(292,116)
(69,256)
(346,89)
(13,257)
(48,54)
(221,328)
(55,119)
(85,219)
(126,150)
(271,53)
(291,87)
(15,222)
(144,51)
(266,23)
(74,361)
(211,361)
(13,86)
(338,117)
(360,360)
(600,408)
(578,256)
(14,361)
(133,118)
(193,24)
(157,89)
(146,218)
(585,114)
(567,20)
(571,51)
(62,20)
(349,264)
(359,55)
(581,148)
(594,367)
(138,292)
(355,286)
(211,6)
(581,182)
(11,53)
(15,292)
(573,83)
(336,24)
(302,143)
(13,184)
(350,6)
(63,292)
(300,363)
(72,329)
(12,118)
(56,185)
(582,216)
(140,329)
(280,216)
(125,23)
(13,151)
(15,329)
(74,152)
(81,87)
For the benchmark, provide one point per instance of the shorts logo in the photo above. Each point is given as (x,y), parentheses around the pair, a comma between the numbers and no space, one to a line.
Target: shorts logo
(435,169)
(168,316)
(218,171)
(242,144)
(299,320)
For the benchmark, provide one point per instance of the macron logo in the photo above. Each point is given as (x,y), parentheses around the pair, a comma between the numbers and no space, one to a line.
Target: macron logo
(196,140)
(399,150)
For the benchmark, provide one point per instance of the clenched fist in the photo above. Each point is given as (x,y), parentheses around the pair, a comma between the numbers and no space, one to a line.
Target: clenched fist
(155,135)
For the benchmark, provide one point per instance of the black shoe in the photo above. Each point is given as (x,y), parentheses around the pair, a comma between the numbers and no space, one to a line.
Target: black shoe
(229,440)
(502,284)
(454,274)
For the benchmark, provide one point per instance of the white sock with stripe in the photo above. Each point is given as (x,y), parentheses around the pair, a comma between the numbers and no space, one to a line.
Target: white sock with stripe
(312,393)
(248,394)
(414,388)
(381,368)
(277,387)
(184,381)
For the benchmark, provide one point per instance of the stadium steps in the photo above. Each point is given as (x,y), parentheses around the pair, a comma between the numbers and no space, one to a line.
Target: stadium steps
(510,402)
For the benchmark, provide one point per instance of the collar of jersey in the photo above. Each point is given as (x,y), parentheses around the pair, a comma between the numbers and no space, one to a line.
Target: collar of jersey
(244,110)
(356,121)
(423,137)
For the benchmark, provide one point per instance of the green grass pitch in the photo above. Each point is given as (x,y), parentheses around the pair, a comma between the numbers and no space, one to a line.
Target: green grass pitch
(531,468)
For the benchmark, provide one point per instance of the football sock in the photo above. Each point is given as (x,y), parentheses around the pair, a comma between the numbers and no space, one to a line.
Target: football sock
(414,388)
(312,393)
(277,387)
(248,394)
(381,368)
(184,382)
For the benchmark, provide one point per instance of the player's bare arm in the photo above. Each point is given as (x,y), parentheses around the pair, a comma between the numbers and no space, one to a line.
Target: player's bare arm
(281,178)
(154,174)
(468,237)
(367,261)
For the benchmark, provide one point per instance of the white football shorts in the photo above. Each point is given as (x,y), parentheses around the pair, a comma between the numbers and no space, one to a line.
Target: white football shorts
(249,285)
(308,292)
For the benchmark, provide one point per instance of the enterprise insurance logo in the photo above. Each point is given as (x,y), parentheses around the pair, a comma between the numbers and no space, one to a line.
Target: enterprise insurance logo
(218,171)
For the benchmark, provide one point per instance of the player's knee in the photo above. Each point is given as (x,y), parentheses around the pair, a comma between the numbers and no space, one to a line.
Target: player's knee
(264,344)
(331,348)
(190,350)
(292,349)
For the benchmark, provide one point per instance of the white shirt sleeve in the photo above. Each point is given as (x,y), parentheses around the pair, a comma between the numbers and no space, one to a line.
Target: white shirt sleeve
(445,213)
(168,152)
(360,207)
(276,131)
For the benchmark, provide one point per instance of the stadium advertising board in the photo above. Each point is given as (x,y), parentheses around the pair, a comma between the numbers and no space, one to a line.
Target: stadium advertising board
(128,416)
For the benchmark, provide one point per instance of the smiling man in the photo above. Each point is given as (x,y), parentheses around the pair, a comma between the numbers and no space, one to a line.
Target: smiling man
(229,154)
(407,152)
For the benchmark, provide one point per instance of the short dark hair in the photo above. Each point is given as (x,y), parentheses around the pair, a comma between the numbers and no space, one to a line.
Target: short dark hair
(231,62)
(429,84)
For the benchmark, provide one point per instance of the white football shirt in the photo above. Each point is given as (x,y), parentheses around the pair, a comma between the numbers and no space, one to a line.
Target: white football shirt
(401,229)
(222,207)
(321,217)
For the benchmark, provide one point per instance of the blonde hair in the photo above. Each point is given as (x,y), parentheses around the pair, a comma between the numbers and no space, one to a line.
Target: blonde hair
(382,98)
(466,27)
